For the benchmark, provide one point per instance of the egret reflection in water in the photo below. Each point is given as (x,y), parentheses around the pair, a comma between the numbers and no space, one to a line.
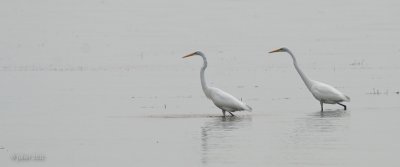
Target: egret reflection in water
(222,138)
(322,132)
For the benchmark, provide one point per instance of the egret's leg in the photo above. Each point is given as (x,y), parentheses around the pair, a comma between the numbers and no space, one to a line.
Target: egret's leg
(345,108)
(223,112)
(322,106)
(231,114)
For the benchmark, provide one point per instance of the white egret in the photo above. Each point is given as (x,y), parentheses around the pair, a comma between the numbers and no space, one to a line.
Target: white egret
(221,99)
(324,93)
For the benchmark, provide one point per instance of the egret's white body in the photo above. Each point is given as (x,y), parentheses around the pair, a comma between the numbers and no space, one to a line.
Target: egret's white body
(327,94)
(221,99)
(323,92)
(225,101)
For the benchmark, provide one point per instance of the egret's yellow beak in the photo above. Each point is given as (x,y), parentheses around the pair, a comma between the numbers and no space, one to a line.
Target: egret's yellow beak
(191,54)
(277,50)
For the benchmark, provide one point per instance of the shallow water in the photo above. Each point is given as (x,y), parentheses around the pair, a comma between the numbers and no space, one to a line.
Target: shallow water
(80,125)
(101,83)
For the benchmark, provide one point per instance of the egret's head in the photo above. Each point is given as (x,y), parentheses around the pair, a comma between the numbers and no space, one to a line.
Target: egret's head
(280,50)
(193,54)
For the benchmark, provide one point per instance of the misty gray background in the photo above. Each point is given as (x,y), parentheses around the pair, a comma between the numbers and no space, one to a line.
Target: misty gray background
(101,83)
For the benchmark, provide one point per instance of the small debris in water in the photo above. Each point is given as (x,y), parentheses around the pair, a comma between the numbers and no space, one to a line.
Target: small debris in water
(357,63)
(28,157)
(378,92)
(147,107)
(283,98)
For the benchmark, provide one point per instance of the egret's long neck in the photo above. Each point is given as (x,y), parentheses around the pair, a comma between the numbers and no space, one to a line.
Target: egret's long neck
(202,78)
(306,80)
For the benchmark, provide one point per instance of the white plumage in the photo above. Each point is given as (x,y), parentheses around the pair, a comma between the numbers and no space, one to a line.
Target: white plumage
(323,92)
(227,102)
(327,94)
(221,99)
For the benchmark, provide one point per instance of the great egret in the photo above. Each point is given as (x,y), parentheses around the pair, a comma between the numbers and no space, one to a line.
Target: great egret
(324,93)
(221,99)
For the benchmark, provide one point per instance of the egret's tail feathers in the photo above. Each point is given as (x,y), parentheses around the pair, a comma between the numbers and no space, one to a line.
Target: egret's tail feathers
(347,98)
(248,108)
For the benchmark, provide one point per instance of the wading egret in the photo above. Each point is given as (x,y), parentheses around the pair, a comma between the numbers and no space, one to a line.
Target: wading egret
(324,93)
(223,100)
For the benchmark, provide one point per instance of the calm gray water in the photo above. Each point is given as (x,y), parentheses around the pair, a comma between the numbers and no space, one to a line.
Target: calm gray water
(102,83)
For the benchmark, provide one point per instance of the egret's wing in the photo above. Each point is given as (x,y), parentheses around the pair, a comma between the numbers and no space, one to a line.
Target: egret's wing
(226,101)
(328,93)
